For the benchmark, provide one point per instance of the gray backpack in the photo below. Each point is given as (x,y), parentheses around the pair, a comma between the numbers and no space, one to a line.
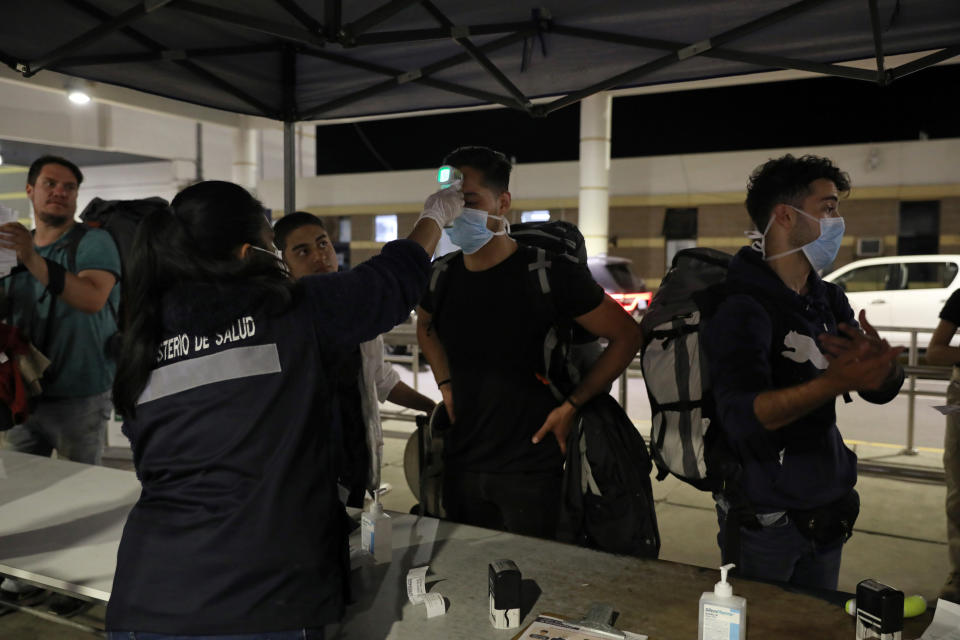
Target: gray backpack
(675,369)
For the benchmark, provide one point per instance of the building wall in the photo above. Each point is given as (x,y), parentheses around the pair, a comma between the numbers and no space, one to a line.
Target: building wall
(642,189)
(636,232)
(950,225)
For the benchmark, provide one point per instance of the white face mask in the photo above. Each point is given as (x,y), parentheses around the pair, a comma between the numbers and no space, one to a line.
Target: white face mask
(276,254)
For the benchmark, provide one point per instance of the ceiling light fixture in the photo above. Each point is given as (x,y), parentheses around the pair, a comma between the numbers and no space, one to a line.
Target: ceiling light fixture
(78,91)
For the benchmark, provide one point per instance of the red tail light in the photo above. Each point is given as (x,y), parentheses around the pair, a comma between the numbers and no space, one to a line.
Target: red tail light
(630,301)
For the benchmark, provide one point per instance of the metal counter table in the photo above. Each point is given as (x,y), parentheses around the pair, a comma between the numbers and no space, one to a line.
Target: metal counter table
(60,524)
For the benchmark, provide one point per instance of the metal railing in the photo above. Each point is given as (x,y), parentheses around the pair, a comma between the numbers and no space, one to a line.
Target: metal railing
(915,371)
(405,334)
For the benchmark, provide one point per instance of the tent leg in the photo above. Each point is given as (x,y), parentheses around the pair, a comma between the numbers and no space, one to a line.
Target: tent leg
(289,168)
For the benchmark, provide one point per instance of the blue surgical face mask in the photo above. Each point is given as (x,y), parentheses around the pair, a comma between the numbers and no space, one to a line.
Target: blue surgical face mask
(470,232)
(821,252)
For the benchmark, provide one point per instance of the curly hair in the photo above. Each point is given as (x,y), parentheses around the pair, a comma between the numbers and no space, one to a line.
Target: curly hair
(787,180)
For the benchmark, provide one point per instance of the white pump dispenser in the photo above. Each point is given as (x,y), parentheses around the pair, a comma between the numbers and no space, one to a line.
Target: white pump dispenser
(722,615)
(375,526)
(724,589)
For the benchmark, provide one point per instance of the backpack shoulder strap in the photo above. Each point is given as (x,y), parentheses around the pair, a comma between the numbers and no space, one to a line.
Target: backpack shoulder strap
(440,266)
(560,333)
(438,280)
(76,237)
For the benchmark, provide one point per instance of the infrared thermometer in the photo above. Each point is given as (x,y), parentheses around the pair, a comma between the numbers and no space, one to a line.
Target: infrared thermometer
(447,175)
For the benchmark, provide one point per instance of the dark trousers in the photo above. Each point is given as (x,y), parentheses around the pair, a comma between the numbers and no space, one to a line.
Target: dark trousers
(780,552)
(522,503)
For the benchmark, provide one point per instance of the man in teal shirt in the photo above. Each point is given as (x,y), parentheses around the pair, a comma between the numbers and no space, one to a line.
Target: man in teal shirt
(64,297)
(65,300)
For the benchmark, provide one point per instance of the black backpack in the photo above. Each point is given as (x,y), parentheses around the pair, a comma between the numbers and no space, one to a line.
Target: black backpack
(607,498)
(120,218)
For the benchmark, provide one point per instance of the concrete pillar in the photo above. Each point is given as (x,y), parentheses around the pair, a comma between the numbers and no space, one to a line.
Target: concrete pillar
(246,154)
(594,215)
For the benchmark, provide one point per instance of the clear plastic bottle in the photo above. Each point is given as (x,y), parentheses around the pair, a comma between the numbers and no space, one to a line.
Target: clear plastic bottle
(375,528)
(723,616)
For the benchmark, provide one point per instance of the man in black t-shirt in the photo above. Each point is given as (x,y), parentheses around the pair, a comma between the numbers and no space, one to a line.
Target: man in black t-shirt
(483,337)
(940,352)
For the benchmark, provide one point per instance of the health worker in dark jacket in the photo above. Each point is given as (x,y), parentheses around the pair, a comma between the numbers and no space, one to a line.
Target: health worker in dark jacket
(226,382)
(782,346)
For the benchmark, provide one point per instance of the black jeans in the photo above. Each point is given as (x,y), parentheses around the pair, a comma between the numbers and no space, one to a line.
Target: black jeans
(523,503)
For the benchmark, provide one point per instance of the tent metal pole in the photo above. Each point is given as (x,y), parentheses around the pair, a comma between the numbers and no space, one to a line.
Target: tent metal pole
(96,34)
(877,42)
(923,63)
(175,55)
(421,76)
(372,19)
(289,168)
(302,16)
(288,73)
(254,23)
(419,35)
(696,49)
(720,53)
(157,47)
(477,54)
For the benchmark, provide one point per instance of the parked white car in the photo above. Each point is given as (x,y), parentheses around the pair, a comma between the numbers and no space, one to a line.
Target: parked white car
(900,291)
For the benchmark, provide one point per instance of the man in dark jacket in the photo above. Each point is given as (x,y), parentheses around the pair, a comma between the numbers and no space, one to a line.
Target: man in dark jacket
(782,346)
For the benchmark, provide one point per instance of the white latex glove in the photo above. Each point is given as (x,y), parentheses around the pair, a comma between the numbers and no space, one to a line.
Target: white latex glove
(444,206)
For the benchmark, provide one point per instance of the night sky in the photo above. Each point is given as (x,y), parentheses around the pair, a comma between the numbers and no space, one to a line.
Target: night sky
(810,112)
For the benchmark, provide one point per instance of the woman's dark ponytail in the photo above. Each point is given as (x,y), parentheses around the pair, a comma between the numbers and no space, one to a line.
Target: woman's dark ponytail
(195,241)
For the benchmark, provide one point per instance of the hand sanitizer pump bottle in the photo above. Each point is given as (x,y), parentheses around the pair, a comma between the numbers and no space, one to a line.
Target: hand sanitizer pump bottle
(723,616)
(375,532)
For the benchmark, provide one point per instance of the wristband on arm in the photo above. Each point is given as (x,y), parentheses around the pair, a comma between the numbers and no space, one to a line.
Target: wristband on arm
(573,404)
(57,277)
(443,382)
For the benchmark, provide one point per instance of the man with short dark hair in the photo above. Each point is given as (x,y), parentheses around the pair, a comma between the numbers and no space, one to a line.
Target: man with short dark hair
(782,346)
(484,338)
(364,380)
(61,299)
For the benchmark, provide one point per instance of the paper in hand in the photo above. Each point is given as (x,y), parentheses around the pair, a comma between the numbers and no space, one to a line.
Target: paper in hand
(8,257)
